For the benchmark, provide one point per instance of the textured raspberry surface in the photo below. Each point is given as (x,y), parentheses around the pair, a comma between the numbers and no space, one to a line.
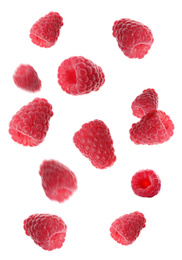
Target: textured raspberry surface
(154,128)
(31,123)
(126,229)
(94,142)
(25,77)
(47,231)
(58,181)
(145,103)
(133,38)
(78,75)
(146,183)
(46,30)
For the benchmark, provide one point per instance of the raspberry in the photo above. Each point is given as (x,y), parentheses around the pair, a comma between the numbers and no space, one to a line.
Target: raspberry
(78,75)
(133,38)
(94,142)
(145,103)
(146,183)
(47,231)
(58,181)
(31,123)
(154,128)
(25,77)
(126,229)
(46,30)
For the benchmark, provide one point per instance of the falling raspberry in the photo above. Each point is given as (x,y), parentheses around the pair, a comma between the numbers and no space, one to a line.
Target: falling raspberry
(133,38)
(58,181)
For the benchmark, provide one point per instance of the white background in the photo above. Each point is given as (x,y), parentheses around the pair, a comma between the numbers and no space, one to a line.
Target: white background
(102,195)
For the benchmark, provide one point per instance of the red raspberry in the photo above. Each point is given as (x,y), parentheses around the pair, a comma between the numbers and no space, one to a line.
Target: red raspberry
(58,181)
(47,231)
(94,142)
(134,38)
(154,128)
(46,30)
(78,75)
(126,229)
(25,77)
(31,123)
(146,183)
(145,103)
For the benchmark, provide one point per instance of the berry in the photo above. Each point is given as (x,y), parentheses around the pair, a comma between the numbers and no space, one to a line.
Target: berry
(126,229)
(94,142)
(47,231)
(46,30)
(58,181)
(133,38)
(146,183)
(145,103)
(78,75)
(154,128)
(31,123)
(25,77)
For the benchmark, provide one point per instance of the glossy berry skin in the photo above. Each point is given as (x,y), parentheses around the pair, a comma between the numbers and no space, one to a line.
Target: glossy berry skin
(146,183)
(46,30)
(133,38)
(125,230)
(145,103)
(58,181)
(47,231)
(26,78)
(30,124)
(154,128)
(78,75)
(94,142)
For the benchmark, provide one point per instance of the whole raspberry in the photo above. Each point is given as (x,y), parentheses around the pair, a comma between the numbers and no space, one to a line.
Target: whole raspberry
(145,103)
(94,142)
(133,38)
(78,75)
(47,231)
(146,183)
(126,229)
(58,181)
(25,77)
(31,123)
(46,30)
(154,128)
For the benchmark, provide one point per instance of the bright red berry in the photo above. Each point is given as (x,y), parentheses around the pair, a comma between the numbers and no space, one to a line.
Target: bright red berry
(46,30)
(31,123)
(78,75)
(58,181)
(133,38)
(25,77)
(154,128)
(146,183)
(94,142)
(126,229)
(47,231)
(145,103)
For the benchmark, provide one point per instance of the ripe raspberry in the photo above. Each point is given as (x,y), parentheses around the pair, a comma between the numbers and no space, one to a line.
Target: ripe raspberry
(31,123)
(47,231)
(58,181)
(126,229)
(145,103)
(25,77)
(154,128)
(133,38)
(78,75)
(94,142)
(146,183)
(46,30)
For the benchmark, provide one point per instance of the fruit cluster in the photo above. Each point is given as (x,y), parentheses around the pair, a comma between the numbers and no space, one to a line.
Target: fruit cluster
(78,75)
